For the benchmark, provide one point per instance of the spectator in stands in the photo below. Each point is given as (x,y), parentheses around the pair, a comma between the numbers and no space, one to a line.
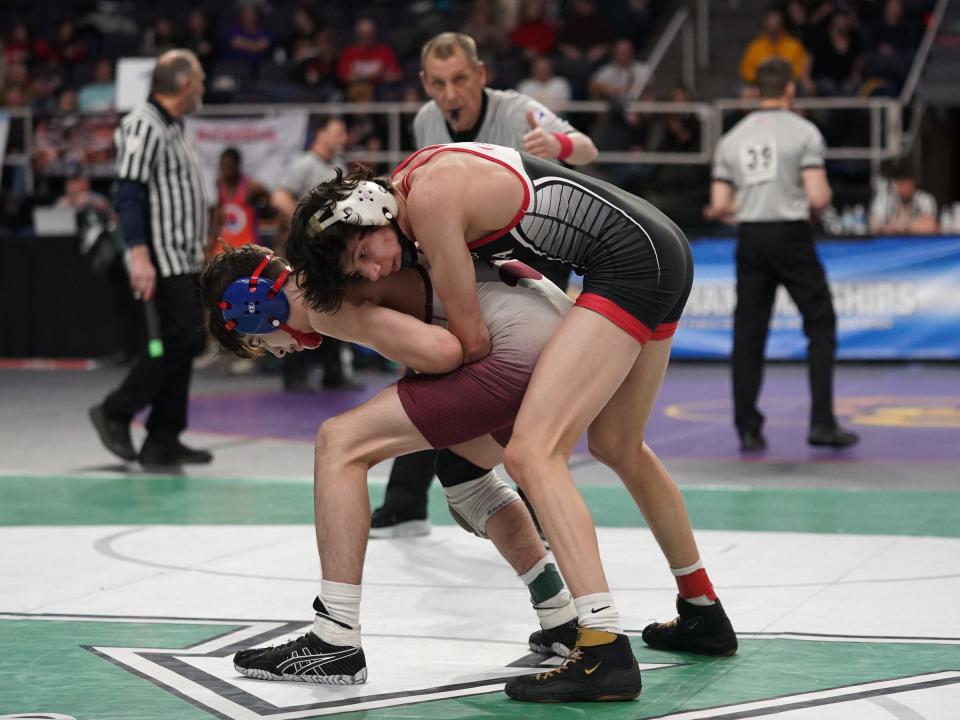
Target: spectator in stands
(67,102)
(837,57)
(201,40)
(545,87)
(584,37)
(302,36)
(900,208)
(806,18)
(317,66)
(79,195)
(485,26)
(681,187)
(239,202)
(98,96)
(67,47)
(774,41)
(16,87)
(247,41)
(159,37)
(535,34)
(18,47)
(681,130)
(893,32)
(583,42)
(318,164)
(630,18)
(367,64)
(621,79)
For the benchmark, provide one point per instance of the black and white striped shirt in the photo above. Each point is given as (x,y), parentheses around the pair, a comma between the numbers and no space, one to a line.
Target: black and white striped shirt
(152,150)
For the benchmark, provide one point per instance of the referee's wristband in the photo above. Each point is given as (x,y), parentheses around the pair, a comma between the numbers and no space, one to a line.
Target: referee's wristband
(566,145)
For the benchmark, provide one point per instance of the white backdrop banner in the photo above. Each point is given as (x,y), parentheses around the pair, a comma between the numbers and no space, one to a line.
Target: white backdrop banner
(267,146)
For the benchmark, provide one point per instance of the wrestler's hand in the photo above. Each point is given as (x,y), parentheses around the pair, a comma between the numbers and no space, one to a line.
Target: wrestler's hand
(538,141)
(143,275)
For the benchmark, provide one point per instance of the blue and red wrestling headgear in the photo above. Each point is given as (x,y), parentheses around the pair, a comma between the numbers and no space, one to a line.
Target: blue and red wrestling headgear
(256,306)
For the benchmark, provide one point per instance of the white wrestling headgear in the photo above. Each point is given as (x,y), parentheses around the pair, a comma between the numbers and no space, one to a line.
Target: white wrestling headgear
(369,204)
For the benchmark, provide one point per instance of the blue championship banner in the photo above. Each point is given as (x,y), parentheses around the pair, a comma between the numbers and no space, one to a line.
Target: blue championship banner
(897,298)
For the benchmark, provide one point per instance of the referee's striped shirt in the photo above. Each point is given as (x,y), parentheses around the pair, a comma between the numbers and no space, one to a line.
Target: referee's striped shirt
(152,150)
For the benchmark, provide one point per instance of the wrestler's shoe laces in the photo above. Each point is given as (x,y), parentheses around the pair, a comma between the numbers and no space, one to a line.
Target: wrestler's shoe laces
(601,667)
(703,629)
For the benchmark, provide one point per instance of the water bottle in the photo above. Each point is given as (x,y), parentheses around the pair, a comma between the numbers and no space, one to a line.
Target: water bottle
(946,221)
(846,221)
(859,219)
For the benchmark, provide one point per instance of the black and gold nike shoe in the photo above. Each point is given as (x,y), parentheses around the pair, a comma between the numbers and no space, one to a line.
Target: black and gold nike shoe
(600,668)
(702,629)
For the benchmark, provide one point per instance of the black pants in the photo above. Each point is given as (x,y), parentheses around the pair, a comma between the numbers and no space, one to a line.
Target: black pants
(771,254)
(163,383)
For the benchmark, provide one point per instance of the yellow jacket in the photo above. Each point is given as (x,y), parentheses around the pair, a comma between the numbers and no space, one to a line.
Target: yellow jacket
(762,48)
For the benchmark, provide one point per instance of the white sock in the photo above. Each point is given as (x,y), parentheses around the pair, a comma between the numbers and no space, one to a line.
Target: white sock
(549,595)
(342,602)
(598,611)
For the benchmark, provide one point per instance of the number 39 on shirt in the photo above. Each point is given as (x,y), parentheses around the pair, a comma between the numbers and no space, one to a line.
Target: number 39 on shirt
(758,160)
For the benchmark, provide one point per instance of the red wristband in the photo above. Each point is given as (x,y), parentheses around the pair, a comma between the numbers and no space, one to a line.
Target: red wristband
(566,145)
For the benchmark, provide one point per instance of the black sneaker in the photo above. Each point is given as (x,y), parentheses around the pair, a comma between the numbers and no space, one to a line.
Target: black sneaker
(832,436)
(164,452)
(114,433)
(752,442)
(386,522)
(305,659)
(559,640)
(601,668)
(703,629)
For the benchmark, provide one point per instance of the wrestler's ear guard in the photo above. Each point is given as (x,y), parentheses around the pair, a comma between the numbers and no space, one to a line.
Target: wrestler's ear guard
(255,305)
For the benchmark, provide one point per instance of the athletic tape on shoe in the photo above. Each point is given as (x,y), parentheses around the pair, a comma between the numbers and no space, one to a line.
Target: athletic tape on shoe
(473,503)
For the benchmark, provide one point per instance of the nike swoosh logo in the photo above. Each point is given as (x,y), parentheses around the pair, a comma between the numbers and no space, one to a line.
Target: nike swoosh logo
(591,670)
(596,610)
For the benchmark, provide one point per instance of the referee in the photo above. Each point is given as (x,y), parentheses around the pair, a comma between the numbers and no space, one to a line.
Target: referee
(768,173)
(163,216)
(462,109)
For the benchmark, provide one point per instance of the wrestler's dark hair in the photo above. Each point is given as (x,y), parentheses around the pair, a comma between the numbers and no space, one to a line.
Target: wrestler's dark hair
(233,264)
(316,257)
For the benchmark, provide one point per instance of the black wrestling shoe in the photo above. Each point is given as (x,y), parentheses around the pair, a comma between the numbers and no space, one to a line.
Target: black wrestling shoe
(114,433)
(386,522)
(304,659)
(752,442)
(559,640)
(703,629)
(831,436)
(601,668)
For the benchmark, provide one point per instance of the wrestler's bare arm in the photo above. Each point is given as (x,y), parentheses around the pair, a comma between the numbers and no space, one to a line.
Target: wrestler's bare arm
(453,200)
(396,335)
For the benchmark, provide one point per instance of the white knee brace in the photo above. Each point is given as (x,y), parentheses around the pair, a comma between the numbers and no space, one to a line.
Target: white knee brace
(473,503)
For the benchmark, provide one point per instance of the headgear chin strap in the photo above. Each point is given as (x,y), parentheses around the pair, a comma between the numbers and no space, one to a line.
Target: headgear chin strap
(369,204)
(409,254)
(255,306)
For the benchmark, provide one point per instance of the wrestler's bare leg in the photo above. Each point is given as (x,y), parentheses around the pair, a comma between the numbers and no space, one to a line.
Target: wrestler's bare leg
(511,529)
(348,445)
